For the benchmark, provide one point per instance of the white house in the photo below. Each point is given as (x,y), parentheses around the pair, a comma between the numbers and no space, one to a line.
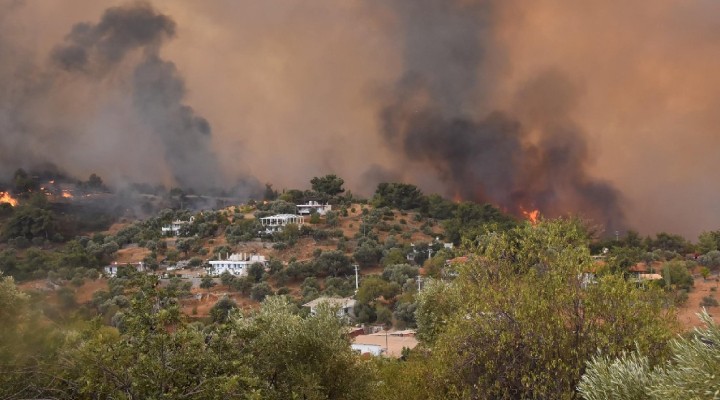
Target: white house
(307,209)
(374,349)
(345,305)
(112,269)
(174,227)
(236,264)
(276,223)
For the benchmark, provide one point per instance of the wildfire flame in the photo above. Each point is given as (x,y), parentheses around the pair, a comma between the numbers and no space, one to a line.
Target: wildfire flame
(532,216)
(67,195)
(6,198)
(457,198)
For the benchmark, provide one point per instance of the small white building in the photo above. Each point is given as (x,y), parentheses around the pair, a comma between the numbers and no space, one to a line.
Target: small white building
(173,229)
(307,209)
(112,270)
(236,264)
(374,349)
(345,305)
(276,223)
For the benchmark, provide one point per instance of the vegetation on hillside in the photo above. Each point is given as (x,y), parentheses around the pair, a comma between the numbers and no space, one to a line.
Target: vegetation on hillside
(528,311)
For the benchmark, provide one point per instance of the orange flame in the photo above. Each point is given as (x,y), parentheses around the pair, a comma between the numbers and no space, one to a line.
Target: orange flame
(6,198)
(532,216)
(457,198)
(67,195)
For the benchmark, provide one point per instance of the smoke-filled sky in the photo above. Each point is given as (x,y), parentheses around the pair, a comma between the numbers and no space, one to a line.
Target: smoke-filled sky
(607,108)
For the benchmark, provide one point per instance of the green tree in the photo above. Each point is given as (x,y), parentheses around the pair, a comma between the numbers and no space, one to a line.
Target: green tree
(207,282)
(403,196)
(333,263)
(710,259)
(184,245)
(521,322)
(330,185)
(676,275)
(256,271)
(621,259)
(400,273)
(30,222)
(331,219)
(23,182)
(95,182)
(368,253)
(270,193)
(470,219)
(670,242)
(692,372)
(28,346)
(708,241)
(302,358)
(157,355)
(373,287)
(220,312)
(260,291)
(440,208)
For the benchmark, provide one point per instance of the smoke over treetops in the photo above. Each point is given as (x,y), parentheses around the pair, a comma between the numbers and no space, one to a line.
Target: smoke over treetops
(604,108)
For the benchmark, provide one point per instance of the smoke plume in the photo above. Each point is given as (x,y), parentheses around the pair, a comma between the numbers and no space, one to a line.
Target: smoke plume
(489,157)
(158,90)
(602,108)
(119,55)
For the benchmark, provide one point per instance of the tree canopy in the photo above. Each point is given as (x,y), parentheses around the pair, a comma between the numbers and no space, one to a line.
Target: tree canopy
(521,321)
(330,185)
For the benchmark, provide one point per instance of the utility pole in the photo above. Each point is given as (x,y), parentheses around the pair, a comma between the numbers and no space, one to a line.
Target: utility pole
(357,281)
(419,279)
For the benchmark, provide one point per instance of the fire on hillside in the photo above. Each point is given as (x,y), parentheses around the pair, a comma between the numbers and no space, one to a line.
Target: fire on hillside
(533,216)
(5,197)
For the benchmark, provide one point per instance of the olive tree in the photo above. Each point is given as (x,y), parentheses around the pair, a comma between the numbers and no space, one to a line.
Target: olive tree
(692,372)
(522,319)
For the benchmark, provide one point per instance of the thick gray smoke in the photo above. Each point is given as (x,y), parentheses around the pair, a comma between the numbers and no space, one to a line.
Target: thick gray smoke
(158,90)
(532,156)
(521,103)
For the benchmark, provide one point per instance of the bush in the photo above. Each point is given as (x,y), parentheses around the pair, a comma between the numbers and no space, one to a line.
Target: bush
(709,301)
(221,310)
(77,281)
(260,291)
(681,297)
(676,273)
(280,246)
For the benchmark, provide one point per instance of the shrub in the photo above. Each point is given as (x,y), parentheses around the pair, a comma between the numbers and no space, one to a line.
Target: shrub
(709,301)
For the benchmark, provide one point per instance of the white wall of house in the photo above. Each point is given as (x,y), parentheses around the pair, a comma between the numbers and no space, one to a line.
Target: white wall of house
(373,349)
(275,223)
(236,264)
(174,227)
(306,209)
(112,270)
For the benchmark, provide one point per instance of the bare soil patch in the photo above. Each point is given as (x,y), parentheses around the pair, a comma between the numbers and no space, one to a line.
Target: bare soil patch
(687,313)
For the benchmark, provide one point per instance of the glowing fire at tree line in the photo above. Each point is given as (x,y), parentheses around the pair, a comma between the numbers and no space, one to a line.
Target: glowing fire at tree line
(6,198)
(532,216)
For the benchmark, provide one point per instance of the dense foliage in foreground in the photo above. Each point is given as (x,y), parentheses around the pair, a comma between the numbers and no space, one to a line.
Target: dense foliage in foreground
(522,318)
(154,353)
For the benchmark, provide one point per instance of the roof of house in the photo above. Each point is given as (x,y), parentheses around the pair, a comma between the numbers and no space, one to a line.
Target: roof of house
(333,301)
(282,216)
(650,277)
(640,267)
(395,343)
